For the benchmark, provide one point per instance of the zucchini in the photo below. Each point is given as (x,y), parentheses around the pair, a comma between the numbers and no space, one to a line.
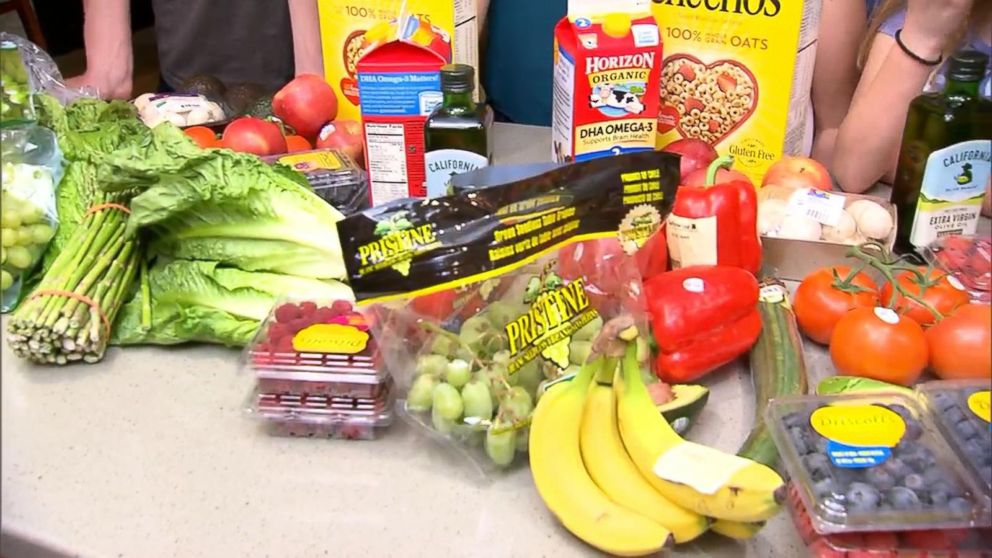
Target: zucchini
(777,367)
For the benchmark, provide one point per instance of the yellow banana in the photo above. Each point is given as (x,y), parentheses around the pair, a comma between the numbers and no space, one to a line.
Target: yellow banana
(565,486)
(736,530)
(616,475)
(707,481)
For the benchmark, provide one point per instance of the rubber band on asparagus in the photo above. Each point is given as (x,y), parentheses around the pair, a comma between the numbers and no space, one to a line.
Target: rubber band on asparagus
(81,298)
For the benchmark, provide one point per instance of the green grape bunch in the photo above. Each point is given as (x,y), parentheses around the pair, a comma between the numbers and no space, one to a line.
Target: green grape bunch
(25,229)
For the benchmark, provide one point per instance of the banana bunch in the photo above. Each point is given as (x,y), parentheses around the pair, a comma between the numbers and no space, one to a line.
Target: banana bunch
(614,472)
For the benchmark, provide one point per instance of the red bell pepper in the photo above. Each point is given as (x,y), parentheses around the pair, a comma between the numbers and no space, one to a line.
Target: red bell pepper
(702,317)
(715,224)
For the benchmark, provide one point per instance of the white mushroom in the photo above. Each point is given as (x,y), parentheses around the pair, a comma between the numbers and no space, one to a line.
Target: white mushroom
(800,227)
(872,220)
(177,119)
(843,231)
(142,101)
(199,115)
(216,113)
(771,212)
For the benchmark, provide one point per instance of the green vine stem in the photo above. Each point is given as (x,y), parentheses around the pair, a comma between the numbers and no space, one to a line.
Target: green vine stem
(874,255)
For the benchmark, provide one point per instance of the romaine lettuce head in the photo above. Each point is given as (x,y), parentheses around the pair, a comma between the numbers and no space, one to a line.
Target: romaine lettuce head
(197,301)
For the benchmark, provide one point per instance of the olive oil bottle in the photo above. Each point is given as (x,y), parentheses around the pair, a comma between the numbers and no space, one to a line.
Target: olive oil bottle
(945,157)
(456,134)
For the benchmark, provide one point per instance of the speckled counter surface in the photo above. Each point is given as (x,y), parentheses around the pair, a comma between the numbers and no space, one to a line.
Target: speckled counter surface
(149,454)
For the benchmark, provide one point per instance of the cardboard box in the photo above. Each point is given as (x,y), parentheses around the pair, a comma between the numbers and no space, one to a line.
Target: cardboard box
(400,85)
(737,75)
(606,80)
(350,28)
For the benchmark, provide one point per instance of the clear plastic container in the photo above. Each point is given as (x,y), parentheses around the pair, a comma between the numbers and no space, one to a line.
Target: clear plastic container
(322,416)
(960,411)
(927,543)
(333,175)
(871,462)
(968,259)
(321,348)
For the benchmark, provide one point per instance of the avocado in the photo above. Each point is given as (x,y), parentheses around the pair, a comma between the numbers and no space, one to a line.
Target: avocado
(688,400)
(208,86)
(852,384)
(261,108)
(241,96)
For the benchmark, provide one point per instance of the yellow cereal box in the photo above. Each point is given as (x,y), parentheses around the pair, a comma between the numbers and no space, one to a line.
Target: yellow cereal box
(737,74)
(349,28)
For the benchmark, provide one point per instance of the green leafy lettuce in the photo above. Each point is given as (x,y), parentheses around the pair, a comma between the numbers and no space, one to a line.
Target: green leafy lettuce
(218,205)
(206,302)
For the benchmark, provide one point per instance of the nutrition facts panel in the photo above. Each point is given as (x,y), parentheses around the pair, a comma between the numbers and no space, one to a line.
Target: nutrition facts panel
(387,161)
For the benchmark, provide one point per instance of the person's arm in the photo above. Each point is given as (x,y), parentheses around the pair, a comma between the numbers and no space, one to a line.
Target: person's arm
(482,8)
(867,147)
(835,74)
(306,37)
(107,39)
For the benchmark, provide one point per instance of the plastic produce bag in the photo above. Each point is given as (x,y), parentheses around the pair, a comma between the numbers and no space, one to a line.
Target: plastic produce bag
(26,70)
(32,167)
(473,306)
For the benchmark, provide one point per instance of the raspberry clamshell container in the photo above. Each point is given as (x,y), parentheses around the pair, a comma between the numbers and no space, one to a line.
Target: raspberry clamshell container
(960,410)
(924,543)
(872,462)
(968,259)
(323,416)
(326,349)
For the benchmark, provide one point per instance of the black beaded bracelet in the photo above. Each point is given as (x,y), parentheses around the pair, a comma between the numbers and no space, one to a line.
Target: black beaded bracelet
(915,56)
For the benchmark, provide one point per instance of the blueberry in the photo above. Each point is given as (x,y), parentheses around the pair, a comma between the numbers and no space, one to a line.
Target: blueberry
(973,449)
(903,498)
(944,400)
(793,419)
(913,430)
(823,488)
(822,444)
(921,460)
(799,436)
(938,497)
(906,447)
(896,468)
(914,482)
(931,476)
(953,415)
(902,411)
(861,497)
(986,474)
(966,430)
(951,488)
(880,478)
(959,506)
(818,465)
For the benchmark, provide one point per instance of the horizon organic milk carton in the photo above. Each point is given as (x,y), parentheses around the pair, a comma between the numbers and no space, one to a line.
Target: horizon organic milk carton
(607,72)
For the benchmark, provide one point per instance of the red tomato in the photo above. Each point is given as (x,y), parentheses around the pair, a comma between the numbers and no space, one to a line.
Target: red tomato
(935,287)
(254,135)
(439,305)
(822,299)
(297,143)
(606,269)
(203,136)
(306,103)
(696,154)
(877,343)
(959,344)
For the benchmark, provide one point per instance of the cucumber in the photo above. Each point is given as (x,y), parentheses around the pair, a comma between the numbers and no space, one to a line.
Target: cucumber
(777,367)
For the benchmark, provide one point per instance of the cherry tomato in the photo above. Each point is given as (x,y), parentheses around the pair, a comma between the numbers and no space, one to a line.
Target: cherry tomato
(877,343)
(938,289)
(959,344)
(822,299)
(203,136)
(439,305)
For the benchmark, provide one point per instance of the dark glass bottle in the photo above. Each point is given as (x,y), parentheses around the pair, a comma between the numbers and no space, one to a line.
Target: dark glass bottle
(456,134)
(945,157)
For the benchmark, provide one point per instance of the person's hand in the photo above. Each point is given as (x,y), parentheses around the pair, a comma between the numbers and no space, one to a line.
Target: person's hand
(930,24)
(106,86)
(987,204)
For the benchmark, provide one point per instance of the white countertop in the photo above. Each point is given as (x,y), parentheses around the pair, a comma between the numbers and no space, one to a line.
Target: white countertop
(149,454)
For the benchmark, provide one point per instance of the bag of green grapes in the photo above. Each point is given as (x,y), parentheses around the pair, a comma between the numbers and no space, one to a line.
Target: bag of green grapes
(479,299)
(32,167)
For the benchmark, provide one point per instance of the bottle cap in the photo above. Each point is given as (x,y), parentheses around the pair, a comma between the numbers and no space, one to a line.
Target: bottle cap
(617,25)
(457,78)
(967,65)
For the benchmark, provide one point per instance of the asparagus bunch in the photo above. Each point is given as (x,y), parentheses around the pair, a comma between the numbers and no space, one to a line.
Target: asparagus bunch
(68,315)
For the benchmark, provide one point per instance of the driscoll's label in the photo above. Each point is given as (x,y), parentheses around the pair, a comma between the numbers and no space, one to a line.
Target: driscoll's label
(954,185)
(442,164)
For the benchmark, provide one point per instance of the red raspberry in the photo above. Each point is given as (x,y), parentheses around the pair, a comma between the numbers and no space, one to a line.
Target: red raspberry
(262,348)
(307,309)
(284,345)
(287,313)
(296,325)
(342,307)
(277,331)
(324,316)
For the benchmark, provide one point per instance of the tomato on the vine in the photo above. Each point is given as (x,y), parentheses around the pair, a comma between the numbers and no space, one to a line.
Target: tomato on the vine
(826,295)
(877,343)
(959,344)
(934,287)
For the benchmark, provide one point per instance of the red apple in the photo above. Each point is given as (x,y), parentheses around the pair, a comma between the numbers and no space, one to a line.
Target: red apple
(698,177)
(696,154)
(306,103)
(345,135)
(799,172)
(254,135)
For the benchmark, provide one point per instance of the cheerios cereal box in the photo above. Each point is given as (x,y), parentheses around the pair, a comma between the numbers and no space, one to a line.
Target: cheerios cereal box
(607,68)
(350,28)
(737,74)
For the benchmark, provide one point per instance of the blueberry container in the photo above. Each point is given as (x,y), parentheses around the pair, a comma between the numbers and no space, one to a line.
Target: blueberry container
(323,416)
(872,462)
(960,410)
(922,543)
